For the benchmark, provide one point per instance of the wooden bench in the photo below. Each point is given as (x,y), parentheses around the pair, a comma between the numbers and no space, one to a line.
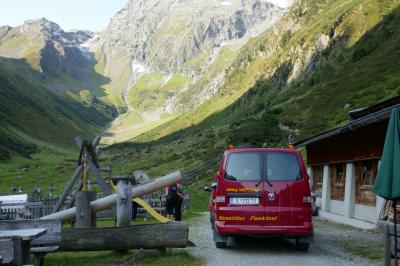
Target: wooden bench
(47,243)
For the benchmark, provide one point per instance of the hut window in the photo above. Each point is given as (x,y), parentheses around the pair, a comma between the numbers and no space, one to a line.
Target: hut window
(319,174)
(368,173)
(339,174)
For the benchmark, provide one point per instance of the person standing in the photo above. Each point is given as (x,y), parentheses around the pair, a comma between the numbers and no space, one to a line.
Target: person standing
(174,200)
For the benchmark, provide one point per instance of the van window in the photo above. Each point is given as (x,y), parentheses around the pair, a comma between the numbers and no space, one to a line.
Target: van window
(244,166)
(282,166)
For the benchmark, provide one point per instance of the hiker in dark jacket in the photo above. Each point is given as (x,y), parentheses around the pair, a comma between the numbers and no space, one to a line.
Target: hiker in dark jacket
(174,199)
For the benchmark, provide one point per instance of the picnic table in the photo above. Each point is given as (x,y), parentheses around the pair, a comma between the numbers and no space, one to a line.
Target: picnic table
(25,236)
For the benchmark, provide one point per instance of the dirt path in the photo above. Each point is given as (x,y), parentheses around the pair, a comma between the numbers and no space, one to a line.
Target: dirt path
(329,247)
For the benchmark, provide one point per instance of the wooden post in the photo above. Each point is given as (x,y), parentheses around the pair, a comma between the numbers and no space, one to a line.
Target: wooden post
(124,200)
(84,216)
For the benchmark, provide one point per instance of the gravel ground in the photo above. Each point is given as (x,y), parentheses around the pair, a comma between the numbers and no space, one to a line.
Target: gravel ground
(327,250)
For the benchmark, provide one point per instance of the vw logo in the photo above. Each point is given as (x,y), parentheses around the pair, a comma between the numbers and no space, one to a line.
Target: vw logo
(271,196)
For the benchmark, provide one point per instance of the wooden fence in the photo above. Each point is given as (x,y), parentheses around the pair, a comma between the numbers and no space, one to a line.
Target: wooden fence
(27,210)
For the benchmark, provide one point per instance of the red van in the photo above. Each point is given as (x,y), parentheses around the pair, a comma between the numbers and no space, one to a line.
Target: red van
(263,192)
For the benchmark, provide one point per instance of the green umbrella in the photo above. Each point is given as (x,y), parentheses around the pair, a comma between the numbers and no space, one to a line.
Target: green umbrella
(387,183)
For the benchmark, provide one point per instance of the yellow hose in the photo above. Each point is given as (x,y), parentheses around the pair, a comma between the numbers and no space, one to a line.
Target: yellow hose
(151,211)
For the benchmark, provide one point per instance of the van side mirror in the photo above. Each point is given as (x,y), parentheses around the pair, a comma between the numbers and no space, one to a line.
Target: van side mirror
(213,186)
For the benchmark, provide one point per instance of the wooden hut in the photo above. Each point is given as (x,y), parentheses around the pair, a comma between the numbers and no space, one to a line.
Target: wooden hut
(343,163)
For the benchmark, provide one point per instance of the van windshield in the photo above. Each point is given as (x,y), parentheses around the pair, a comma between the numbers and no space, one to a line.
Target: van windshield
(243,166)
(282,166)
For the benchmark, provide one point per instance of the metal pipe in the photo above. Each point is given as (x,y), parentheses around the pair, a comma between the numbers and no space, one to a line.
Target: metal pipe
(110,201)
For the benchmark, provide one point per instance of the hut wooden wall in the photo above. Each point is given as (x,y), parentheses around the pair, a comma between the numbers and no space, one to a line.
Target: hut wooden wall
(363,143)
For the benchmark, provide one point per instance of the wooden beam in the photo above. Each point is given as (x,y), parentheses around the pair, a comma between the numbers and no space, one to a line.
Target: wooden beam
(96,142)
(149,236)
(99,178)
(66,192)
(98,151)
(110,201)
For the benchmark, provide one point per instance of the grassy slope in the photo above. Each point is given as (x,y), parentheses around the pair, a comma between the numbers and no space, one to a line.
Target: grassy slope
(152,90)
(32,119)
(30,108)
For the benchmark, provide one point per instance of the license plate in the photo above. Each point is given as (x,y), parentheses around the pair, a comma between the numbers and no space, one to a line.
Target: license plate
(244,201)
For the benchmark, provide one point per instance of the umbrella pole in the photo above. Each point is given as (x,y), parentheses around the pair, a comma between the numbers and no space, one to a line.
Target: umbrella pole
(395,233)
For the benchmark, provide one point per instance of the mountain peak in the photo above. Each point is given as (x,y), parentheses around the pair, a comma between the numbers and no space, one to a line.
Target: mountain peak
(44,24)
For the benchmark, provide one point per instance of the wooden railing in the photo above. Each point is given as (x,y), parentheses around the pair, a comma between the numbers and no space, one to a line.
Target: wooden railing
(27,210)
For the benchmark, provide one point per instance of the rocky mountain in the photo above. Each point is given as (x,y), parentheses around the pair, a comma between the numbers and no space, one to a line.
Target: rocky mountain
(164,58)
(79,37)
(164,35)
(61,58)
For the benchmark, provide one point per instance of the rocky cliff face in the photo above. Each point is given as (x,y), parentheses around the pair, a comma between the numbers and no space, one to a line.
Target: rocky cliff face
(164,35)
(58,55)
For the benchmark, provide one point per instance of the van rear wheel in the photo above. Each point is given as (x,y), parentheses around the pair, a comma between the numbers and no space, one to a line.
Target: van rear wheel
(219,240)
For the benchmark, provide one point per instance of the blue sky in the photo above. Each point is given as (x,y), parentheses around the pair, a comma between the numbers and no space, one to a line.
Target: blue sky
(69,14)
